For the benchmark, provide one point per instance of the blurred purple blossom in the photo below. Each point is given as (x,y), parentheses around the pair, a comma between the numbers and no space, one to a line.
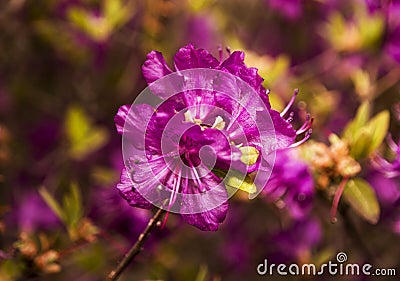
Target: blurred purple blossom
(291,185)
(388,193)
(391,10)
(297,241)
(290,9)
(110,211)
(33,214)
(389,169)
(201,31)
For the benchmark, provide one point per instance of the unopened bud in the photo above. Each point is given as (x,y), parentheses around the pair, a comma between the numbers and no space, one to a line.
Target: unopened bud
(348,167)
(26,246)
(47,262)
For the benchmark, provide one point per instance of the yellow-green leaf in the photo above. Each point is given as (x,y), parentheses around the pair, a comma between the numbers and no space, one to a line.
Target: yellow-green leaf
(369,137)
(359,146)
(52,203)
(73,206)
(362,198)
(359,121)
(378,126)
(83,137)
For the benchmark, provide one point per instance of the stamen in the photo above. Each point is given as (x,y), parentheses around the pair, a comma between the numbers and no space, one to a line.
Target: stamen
(289,105)
(195,175)
(336,199)
(307,125)
(393,146)
(308,116)
(220,51)
(306,137)
(228,50)
(380,162)
(219,123)
(290,118)
(175,190)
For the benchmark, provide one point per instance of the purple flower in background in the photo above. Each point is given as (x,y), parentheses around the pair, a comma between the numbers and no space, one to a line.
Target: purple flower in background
(201,31)
(111,212)
(388,193)
(389,169)
(212,121)
(33,214)
(291,185)
(291,9)
(393,44)
(296,242)
(391,10)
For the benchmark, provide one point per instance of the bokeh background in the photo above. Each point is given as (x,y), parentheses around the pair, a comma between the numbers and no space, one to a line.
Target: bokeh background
(67,65)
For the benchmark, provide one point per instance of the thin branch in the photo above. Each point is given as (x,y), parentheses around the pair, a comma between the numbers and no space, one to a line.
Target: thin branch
(137,247)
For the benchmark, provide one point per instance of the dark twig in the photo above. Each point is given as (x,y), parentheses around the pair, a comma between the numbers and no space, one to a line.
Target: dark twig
(136,248)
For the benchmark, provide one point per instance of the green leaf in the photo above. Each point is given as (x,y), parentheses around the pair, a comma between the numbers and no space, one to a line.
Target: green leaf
(362,198)
(202,275)
(378,126)
(73,206)
(359,121)
(52,203)
(369,137)
(371,28)
(84,138)
(359,146)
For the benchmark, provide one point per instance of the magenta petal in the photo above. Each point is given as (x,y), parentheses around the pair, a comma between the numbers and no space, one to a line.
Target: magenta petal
(234,60)
(120,118)
(128,192)
(188,57)
(207,221)
(284,132)
(155,67)
(136,119)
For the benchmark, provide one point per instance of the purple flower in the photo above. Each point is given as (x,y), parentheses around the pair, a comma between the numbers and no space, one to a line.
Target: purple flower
(111,212)
(296,242)
(389,169)
(193,136)
(33,214)
(291,9)
(201,31)
(291,184)
(388,193)
(391,9)
(393,44)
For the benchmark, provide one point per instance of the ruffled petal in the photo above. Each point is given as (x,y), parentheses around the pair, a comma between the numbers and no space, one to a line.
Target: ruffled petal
(188,57)
(155,67)
(120,118)
(128,192)
(235,65)
(132,122)
(284,132)
(215,196)
(207,221)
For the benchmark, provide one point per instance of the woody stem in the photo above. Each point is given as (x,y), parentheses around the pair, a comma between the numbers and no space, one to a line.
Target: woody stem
(137,247)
